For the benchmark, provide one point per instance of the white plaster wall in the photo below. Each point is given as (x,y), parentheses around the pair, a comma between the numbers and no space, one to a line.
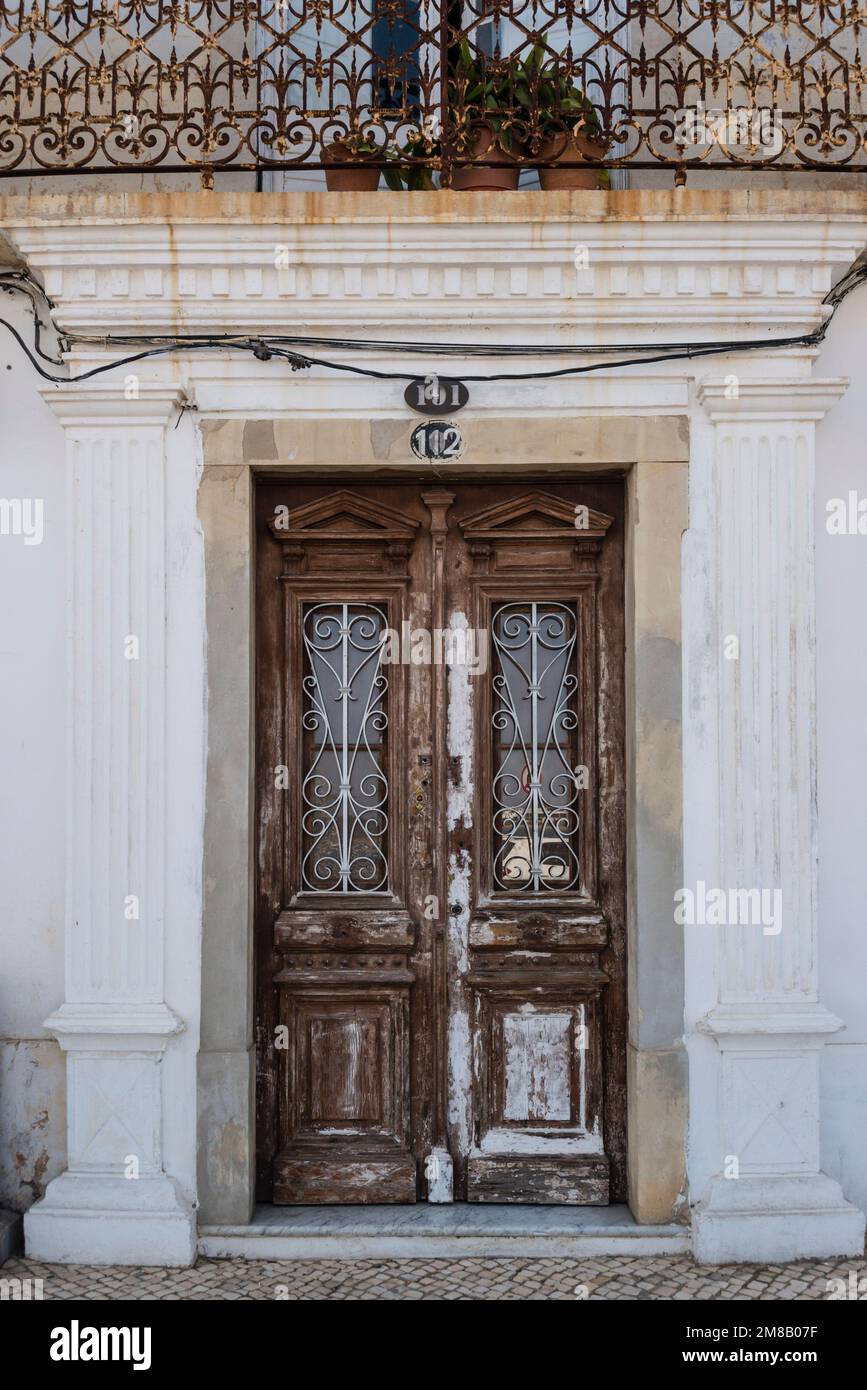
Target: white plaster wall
(32,720)
(33,728)
(185,794)
(841,634)
(701,785)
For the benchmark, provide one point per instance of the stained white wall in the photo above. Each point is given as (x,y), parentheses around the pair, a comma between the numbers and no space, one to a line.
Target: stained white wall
(32,720)
(841,583)
(33,724)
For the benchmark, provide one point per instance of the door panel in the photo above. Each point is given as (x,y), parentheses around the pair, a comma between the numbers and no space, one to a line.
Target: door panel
(542,989)
(440,896)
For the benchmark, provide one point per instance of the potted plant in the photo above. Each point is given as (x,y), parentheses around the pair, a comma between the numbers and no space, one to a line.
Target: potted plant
(416,177)
(363,177)
(533,105)
(567,123)
(484,99)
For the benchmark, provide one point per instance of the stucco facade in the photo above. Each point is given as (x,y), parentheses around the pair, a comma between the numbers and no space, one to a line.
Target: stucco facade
(134,778)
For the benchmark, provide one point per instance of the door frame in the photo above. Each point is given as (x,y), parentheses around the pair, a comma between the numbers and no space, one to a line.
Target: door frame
(656,516)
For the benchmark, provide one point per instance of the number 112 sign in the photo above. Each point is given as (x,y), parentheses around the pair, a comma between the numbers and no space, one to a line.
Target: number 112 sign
(436,439)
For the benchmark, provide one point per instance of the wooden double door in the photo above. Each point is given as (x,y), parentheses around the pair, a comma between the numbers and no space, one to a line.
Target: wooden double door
(440,793)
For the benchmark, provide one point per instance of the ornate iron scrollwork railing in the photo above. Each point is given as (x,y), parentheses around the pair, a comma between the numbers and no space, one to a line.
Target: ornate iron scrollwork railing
(113,85)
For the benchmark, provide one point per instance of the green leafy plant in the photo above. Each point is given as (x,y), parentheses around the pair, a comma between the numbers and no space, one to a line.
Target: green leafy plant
(417,178)
(355,147)
(475,93)
(553,98)
(484,95)
(556,105)
(534,87)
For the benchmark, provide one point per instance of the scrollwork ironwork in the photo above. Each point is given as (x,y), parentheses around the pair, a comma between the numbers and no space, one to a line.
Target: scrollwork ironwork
(535,791)
(114,85)
(345,787)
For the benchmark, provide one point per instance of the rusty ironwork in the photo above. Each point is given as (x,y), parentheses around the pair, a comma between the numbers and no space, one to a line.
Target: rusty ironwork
(419,88)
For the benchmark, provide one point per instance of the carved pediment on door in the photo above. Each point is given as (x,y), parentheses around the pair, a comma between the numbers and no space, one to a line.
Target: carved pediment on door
(343,531)
(560,532)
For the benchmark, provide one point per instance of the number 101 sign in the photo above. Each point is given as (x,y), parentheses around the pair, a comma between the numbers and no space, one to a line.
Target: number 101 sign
(436,395)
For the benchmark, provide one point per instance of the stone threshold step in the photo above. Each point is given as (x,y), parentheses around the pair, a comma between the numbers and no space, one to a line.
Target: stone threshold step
(451,1231)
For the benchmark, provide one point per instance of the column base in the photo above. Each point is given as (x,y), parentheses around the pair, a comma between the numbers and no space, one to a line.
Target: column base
(770,1219)
(109,1220)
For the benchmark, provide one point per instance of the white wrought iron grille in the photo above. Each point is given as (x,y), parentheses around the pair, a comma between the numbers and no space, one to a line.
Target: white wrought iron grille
(345,786)
(535,790)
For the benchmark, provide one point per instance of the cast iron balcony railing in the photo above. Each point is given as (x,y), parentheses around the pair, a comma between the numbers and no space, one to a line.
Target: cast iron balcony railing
(430,88)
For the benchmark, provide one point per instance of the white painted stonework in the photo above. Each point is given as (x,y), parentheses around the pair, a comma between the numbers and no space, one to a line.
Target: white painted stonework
(656,270)
(767,1021)
(114,1024)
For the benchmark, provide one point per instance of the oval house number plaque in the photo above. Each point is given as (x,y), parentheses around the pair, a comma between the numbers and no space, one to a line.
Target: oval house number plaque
(436,395)
(436,439)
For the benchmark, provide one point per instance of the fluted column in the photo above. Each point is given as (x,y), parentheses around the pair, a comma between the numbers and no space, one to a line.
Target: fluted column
(115,1204)
(766,1198)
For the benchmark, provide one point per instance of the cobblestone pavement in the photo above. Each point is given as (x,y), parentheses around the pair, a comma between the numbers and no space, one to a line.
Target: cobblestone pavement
(613,1277)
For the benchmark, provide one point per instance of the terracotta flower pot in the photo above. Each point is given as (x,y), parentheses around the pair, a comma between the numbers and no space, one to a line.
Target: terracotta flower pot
(562,145)
(360,179)
(483,142)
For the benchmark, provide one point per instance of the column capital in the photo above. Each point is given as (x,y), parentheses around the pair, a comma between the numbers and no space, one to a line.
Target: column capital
(103,403)
(770,398)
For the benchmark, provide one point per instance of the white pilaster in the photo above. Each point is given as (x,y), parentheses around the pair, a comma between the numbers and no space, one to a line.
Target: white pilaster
(115,1204)
(767,1198)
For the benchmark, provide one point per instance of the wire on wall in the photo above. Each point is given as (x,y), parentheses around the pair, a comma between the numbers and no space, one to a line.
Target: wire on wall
(283,347)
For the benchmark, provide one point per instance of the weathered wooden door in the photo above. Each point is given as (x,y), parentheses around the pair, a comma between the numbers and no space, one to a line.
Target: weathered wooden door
(440,790)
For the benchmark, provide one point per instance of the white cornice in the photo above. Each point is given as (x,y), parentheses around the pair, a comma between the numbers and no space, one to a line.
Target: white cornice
(88,405)
(769,399)
(636,278)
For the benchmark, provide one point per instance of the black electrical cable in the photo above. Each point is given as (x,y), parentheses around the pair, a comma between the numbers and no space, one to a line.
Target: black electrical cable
(833,297)
(23,282)
(391,345)
(386,345)
(265,348)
